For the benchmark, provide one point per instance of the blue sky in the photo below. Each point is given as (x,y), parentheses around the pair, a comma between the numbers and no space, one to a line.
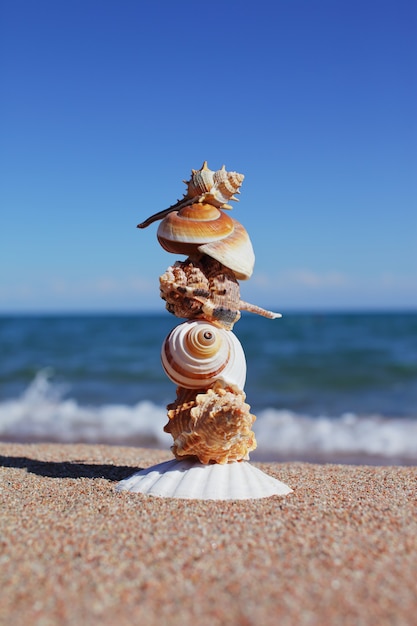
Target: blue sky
(106,106)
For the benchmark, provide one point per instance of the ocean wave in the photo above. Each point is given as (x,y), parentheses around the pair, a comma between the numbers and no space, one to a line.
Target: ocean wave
(42,413)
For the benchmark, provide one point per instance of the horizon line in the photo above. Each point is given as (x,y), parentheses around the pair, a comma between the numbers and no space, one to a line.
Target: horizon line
(133,312)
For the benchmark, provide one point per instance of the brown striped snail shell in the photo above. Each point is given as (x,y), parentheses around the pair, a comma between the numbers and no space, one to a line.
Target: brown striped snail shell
(196,353)
(197,224)
(204,229)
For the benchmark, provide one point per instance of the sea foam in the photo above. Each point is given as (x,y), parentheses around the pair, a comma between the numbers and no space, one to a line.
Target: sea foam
(43,413)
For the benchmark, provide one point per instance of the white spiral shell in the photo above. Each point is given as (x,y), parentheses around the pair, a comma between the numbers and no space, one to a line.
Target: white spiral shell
(196,353)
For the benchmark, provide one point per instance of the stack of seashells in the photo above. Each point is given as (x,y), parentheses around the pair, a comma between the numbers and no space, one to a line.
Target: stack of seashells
(209,420)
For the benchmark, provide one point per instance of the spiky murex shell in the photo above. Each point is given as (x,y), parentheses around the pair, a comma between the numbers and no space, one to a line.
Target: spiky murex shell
(214,187)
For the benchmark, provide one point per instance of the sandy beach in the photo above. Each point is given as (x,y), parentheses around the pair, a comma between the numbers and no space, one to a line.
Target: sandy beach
(341,549)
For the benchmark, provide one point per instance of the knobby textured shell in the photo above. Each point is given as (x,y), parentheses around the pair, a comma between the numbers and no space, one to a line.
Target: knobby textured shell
(196,353)
(213,425)
(216,188)
(205,289)
(191,480)
(226,184)
(202,289)
(201,182)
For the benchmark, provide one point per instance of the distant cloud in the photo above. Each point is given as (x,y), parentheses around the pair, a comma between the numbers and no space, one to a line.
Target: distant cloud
(308,278)
(390,281)
(109,285)
(63,293)
(300,287)
(303,278)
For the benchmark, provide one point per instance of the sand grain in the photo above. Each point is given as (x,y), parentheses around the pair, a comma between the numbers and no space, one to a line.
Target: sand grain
(342,549)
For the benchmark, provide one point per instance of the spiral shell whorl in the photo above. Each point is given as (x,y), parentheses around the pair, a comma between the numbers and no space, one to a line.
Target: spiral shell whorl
(196,353)
(214,187)
(201,181)
(202,342)
(205,229)
(194,224)
(226,184)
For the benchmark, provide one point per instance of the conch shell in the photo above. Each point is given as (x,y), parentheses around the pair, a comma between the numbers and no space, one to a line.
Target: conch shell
(205,289)
(206,187)
(216,188)
(196,353)
(213,425)
(198,225)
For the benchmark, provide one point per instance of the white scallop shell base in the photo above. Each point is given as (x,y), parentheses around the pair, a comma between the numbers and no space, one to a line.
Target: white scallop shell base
(193,480)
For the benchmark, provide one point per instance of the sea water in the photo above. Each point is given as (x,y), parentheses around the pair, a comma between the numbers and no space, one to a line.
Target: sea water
(337,387)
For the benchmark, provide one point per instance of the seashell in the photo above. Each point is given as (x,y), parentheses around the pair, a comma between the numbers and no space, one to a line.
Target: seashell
(204,229)
(200,183)
(205,289)
(197,225)
(226,184)
(205,187)
(235,252)
(191,480)
(213,425)
(216,188)
(196,353)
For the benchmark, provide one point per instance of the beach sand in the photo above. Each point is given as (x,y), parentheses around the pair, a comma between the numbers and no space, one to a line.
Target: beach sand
(341,549)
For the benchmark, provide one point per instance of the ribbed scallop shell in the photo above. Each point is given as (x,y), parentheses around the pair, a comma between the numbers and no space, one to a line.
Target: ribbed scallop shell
(196,353)
(191,480)
(214,425)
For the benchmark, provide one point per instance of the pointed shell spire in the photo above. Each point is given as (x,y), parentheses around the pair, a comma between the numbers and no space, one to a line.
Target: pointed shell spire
(213,187)
(201,182)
